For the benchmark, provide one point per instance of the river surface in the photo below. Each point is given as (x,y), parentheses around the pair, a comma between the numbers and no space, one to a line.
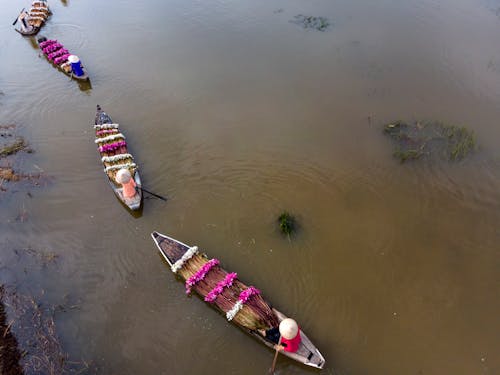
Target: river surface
(236,114)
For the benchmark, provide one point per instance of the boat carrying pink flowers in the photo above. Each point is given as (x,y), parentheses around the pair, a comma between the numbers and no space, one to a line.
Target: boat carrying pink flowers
(62,58)
(241,304)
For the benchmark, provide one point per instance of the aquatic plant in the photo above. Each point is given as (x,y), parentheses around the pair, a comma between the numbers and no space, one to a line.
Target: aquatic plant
(18,145)
(287,223)
(461,141)
(311,22)
(430,139)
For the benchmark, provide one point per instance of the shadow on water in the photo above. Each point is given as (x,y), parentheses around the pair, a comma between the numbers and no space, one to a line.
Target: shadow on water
(135,214)
(33,42)
(85,86)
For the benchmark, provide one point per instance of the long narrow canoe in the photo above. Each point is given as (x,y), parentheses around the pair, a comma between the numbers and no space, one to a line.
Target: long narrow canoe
(224,291)
(57,55)
(114,156)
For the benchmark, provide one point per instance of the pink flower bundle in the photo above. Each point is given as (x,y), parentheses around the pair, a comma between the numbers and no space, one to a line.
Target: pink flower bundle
(247,293)
(61,59)
(112,146)
(57,53)
(227,282)
(52,47)
(106,131)
(47,43)
(200,274)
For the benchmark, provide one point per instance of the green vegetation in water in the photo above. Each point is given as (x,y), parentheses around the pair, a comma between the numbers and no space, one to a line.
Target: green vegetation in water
(286,223)
(430,139)
(18,145)
(311,22)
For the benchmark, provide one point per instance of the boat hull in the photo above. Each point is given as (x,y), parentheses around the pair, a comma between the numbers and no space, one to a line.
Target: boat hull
(134,203)
(172,250)
(34,31)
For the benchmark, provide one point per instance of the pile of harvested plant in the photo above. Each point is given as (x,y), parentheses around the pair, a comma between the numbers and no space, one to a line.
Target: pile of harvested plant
(239,302)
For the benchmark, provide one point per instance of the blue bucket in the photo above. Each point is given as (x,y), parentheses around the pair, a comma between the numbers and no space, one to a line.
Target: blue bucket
(76,67)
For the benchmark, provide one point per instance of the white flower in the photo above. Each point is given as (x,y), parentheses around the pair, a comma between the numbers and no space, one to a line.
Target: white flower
(232,313)
(187,255)
(111,159)
(120,166)
(106,126)
(111,137)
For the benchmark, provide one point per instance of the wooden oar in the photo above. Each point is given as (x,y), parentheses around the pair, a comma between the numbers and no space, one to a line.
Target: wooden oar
(271,370)
(153,194)
(18,17)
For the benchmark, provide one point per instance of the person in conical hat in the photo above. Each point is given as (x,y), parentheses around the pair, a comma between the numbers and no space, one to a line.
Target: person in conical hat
(286,336)
(22,18)
(124,178)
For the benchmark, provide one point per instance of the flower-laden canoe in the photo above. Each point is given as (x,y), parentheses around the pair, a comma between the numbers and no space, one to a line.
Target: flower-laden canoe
(58,56)
(112,147)
(31,21)
(241,304)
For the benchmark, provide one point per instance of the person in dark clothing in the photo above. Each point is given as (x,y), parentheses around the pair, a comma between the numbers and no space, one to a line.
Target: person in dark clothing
(272,334)
(286,337)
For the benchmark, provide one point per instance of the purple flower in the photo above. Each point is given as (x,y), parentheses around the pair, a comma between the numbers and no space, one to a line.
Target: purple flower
(52,47)
(47,43)
(61,59)
(112,146)
(247,293)
(200,274)
(226,283)
(57,53)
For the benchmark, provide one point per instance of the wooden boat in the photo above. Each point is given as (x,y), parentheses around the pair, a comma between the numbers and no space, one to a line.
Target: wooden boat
(114,156)
(34,18)
(188,263)
(58,56)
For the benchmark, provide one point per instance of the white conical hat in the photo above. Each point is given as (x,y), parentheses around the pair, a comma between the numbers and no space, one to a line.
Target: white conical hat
(289,328)
(123,176)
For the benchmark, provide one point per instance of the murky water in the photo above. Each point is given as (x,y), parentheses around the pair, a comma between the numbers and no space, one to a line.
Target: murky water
(236,114)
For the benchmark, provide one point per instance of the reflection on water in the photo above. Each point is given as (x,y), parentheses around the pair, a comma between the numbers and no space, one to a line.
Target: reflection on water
(236,114)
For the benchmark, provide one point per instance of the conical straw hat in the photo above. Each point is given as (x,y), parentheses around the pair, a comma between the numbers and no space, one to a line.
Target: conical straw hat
(123,176)
(289,328)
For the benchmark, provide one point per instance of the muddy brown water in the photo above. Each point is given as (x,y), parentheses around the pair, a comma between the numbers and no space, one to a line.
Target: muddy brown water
(236,114)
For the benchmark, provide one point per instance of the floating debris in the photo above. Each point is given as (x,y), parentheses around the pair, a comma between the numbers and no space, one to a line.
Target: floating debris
(6,130)
(8,174)
(287,223)
(311,22)
(8,151)
(43,257)
(419,140)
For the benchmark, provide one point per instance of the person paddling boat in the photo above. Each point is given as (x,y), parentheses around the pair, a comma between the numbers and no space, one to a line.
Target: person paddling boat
(286,337)
(124,177)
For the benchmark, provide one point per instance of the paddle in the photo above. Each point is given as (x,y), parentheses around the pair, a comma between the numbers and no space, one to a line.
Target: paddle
(18,17)
(271,370)
(153,194)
